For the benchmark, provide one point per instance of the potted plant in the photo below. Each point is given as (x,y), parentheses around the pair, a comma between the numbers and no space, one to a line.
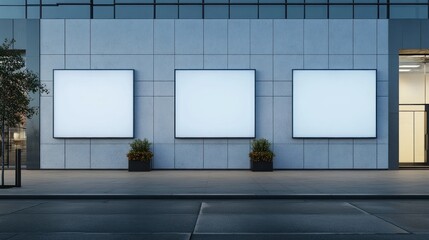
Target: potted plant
(140,156)
(261,157)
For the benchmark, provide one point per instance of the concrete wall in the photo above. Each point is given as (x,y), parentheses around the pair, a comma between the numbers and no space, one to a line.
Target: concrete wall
(154,48)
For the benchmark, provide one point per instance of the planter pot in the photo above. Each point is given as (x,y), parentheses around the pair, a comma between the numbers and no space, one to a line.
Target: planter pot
(261,166)
(139,166)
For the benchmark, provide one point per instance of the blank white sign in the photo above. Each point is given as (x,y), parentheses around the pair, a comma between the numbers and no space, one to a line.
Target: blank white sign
(215,104)
(334,103)
(93,103)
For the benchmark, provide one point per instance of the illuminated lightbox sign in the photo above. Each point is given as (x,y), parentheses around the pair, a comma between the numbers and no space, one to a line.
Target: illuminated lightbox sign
(215,103)
(334,103)
(93,103)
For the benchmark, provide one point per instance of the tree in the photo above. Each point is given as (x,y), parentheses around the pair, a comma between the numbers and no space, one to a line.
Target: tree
(16,83)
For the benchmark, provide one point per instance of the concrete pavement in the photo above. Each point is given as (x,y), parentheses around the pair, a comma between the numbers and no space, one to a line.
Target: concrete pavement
(203,184)
(214,219)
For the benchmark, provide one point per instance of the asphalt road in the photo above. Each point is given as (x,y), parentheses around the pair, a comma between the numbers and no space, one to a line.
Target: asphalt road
(214,219)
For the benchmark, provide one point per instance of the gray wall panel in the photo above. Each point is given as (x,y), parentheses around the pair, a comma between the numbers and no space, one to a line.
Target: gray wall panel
(261,36)
(365,36)
(188,37)
(289,36)
(341,36)
(6,29)
(154,48)
(215,36)
(78,36)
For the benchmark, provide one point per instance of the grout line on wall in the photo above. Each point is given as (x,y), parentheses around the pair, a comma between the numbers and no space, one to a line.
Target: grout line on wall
(272,80)
(153,86)
(90,44)
(174,107)
(90,152)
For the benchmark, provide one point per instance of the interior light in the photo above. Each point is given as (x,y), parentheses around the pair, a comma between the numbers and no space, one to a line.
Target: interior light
(404,70)
(409,66)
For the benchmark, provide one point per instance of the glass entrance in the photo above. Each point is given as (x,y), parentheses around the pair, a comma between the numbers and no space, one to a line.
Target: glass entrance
(15,138)
(413,106)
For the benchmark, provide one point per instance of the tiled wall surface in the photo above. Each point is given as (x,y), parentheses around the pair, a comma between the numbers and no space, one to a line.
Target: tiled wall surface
(154,48)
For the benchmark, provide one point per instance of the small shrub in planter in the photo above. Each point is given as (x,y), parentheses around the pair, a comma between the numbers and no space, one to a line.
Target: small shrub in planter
(261,156)
(140,156)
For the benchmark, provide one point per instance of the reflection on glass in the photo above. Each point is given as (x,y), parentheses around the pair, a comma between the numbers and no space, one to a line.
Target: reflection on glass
(272,11)
(105,12)
(409,11)
(12,12)
(134,11)
(190,12)
(244,11)
(212,11)
(33,12)
(366,12)
(66,11)
(340,11)
(316,12)
(295,12)
(167,11)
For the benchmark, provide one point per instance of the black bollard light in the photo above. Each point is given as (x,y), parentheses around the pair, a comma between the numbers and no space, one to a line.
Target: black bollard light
(18,168)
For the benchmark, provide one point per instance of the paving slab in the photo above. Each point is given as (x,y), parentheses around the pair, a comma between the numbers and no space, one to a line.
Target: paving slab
(393,206)
(101,223)
(416,223)
(293,223)
(300,183)
(99,236)
(309,236)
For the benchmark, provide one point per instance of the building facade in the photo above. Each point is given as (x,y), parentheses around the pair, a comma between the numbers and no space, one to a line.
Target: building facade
(154,38)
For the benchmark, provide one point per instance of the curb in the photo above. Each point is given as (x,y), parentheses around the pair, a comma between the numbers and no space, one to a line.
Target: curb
(215,196)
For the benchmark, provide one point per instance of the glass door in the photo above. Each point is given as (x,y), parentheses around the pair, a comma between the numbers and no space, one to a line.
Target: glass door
(413,105)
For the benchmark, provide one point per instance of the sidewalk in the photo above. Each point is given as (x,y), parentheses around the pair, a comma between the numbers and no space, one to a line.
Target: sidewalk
(220,184)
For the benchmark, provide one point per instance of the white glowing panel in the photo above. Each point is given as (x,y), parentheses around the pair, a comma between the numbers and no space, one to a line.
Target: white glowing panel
(215,103)
(334,103)
(93,103)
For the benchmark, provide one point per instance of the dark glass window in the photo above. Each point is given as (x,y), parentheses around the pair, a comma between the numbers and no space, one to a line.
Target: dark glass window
(135,1)
(243,1)
(316,1)
(33,1)
(103,1)
(340,11)
(12,11)
(216,1)
(190,1)
(365,1)
(190,11)
(340,1)
(316,11)
(366,11)
(103,12)
(382,12)
(272,11)
(243,11)
(66,11)
(166,1)
(33,12)
(213,11)
(272,1)
(65,1)
(167,11)
(133,11)
(409,11)
(295,11)
(12,2)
